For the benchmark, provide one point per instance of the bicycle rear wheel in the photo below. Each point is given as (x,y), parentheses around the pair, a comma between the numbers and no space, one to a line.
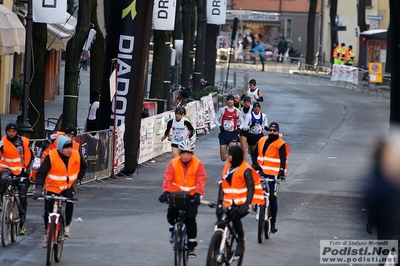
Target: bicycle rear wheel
(181,254)
(50,242)
(214,258)
(261,222)
(58,248)
(14,222)
(6,222)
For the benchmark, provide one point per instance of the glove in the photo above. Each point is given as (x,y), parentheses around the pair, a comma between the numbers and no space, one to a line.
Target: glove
(243,209)
(221,128)
(252,124)
(238,131)
(38,192)
(281,175)
(164,197)
(36,163)
(257,168)
(266,128)
(196,199)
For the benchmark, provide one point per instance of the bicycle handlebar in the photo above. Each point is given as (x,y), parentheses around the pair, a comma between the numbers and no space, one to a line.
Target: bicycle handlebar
(57,198)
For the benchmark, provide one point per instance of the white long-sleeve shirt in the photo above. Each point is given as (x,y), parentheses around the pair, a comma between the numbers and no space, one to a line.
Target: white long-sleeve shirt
(248,121)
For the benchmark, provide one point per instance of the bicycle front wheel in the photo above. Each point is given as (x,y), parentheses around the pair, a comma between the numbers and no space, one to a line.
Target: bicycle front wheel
(6,222)
(50,242)
(181,254)
(261,222)
(14,222)
(60,241)
(214,258)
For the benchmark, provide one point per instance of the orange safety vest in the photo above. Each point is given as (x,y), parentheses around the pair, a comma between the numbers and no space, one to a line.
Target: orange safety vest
(336,51)
(53,146)
(349,55)
(185,182)
(59,177)
(11,159)
(270,161)
(237,191)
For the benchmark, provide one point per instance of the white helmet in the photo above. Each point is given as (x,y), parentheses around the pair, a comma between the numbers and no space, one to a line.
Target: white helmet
(186,145)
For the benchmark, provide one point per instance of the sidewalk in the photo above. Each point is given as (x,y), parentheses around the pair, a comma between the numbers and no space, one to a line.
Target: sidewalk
(54,108)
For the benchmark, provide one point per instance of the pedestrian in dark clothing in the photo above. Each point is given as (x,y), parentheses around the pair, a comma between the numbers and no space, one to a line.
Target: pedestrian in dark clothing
(282,48)
(383,192)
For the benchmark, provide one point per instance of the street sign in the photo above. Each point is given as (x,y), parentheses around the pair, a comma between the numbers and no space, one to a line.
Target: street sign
(337,20)
(341,28)
(370,17)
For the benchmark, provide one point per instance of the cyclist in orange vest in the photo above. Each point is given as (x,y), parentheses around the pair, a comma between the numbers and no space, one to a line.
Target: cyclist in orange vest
(343,51)
(57,174)
(185,173)
(270,157)
(336,53)
(240,186)
(15,160)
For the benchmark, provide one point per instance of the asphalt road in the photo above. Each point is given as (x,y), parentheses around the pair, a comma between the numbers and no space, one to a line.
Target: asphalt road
(328,129)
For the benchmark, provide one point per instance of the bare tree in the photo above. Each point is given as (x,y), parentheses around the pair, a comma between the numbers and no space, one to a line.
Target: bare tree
(36,111)
(187,41)
(362,58)
(311,32)
(158,67)
(74,48)
(210,46)
(334,30)
(200,44)
(96,52)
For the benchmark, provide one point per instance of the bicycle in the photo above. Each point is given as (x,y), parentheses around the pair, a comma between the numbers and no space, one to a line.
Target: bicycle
(179,201)
(221,248)
(55,228)
(263,212)
(180,96)
(10,213)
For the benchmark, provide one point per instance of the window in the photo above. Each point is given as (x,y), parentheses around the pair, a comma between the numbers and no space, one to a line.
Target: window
(288,33)
(368,3)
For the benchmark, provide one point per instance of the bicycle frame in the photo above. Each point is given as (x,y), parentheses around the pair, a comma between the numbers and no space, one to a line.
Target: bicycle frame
(223,225)
(55,215)
(179,200)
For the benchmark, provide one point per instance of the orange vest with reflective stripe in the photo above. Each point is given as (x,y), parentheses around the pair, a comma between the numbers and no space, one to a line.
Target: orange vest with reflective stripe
(336,51)
(53,146)
(59,178)
(237,192)
(270,161)
(184,182)
(10,157)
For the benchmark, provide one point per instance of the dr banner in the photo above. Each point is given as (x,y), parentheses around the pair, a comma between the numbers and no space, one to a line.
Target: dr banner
(127,40)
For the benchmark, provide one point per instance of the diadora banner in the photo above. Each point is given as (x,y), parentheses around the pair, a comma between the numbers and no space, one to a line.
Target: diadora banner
(128,41)
(216,12)
(164,15)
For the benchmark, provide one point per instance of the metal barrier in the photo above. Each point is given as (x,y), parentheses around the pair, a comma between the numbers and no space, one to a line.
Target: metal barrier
(96,149)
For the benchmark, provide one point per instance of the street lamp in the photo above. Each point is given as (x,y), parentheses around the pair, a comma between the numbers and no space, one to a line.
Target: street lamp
(24,127)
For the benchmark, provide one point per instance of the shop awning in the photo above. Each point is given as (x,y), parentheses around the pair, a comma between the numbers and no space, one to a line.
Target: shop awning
(12,32)
(379,34)
(57,34)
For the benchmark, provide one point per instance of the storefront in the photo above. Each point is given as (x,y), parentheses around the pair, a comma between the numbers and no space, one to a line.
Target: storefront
(263,25)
